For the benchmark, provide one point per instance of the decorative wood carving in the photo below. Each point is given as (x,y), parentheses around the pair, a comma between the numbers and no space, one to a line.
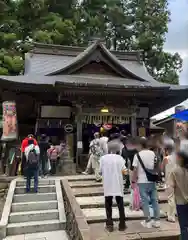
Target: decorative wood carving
(97,67)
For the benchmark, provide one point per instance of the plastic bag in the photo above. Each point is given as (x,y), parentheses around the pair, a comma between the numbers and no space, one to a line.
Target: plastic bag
(48,165)
(136,198)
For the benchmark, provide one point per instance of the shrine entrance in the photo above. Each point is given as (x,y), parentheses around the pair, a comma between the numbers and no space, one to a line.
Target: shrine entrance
(110,123)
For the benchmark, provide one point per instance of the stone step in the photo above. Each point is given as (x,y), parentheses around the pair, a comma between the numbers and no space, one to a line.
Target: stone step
(98,201)
(93,183)
(85,184)
(99,214)
(33,206)
(94,191)
(34,227)
(57,235)
(34,197)
(22,182)
(80,177)
(41,189)
(30,216)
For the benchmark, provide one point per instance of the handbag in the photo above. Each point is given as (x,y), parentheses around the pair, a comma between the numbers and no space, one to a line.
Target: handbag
(151,174)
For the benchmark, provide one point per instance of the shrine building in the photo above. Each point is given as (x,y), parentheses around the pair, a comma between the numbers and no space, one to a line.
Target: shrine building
(70,92)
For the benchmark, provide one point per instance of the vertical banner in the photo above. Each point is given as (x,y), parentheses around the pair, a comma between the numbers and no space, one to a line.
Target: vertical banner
(10,129)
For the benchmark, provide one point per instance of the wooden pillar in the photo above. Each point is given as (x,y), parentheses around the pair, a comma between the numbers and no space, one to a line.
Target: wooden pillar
(133,125)
(79,134)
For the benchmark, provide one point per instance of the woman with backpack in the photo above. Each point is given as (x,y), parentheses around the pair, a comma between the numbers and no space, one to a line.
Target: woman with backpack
(32,153)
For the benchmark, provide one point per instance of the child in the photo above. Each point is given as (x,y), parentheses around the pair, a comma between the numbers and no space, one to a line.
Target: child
(169,163)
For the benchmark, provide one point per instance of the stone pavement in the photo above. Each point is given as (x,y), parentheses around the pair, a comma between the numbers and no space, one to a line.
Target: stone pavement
(89,196)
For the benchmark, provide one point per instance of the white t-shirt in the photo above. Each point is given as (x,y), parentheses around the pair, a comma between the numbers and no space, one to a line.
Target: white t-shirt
(148,159)
(111,166)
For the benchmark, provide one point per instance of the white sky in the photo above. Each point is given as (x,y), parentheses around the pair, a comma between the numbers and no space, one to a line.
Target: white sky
(177,41)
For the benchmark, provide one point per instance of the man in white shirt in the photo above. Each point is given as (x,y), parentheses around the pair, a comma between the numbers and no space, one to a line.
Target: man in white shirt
(148,190)
(112,167)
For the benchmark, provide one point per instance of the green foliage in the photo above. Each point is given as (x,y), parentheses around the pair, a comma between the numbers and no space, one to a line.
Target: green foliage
(11,62)
(125,25)
(64,8)
(29,14)
(56,30)
(133,25)
(10,65)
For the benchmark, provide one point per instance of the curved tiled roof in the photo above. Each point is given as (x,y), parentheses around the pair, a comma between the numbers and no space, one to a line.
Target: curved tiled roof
(132,68)
(57,59)
(81,79)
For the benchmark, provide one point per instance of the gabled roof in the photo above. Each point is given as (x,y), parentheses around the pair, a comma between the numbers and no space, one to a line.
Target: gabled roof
(154,127)
(54,59)
(164,120)
(97,45)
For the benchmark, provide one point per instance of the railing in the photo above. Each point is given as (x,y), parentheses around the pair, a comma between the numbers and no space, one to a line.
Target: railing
(77,226)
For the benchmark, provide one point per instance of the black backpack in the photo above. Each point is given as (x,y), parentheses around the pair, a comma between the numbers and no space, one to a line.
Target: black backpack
(33,158)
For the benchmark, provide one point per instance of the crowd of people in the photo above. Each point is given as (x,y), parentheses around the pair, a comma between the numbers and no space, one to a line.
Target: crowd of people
(38,159)
(141,166)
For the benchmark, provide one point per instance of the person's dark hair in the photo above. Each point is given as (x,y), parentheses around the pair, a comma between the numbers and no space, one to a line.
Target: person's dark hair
(169,148)
(30,136)
(123,132)
(115,136)
(143,142)
(184,157)
(43,136)
(133,140)
(30,141)
(124,140)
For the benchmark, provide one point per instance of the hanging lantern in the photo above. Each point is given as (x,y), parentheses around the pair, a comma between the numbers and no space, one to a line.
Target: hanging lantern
(104,110)
(102,130)
(10,129)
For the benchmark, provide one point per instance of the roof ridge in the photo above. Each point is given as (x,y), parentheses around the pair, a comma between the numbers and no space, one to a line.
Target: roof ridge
(54,49)
(88,51)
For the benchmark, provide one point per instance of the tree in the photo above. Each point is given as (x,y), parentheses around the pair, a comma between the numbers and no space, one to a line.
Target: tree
(132,25)
(149,29)
(65,9)
(56,30)
(106,19)
(29,14)
(11,62)
(166,67)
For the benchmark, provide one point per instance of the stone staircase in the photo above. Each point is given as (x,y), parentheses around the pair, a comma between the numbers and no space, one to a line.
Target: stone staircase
(31,212)
(89,195)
